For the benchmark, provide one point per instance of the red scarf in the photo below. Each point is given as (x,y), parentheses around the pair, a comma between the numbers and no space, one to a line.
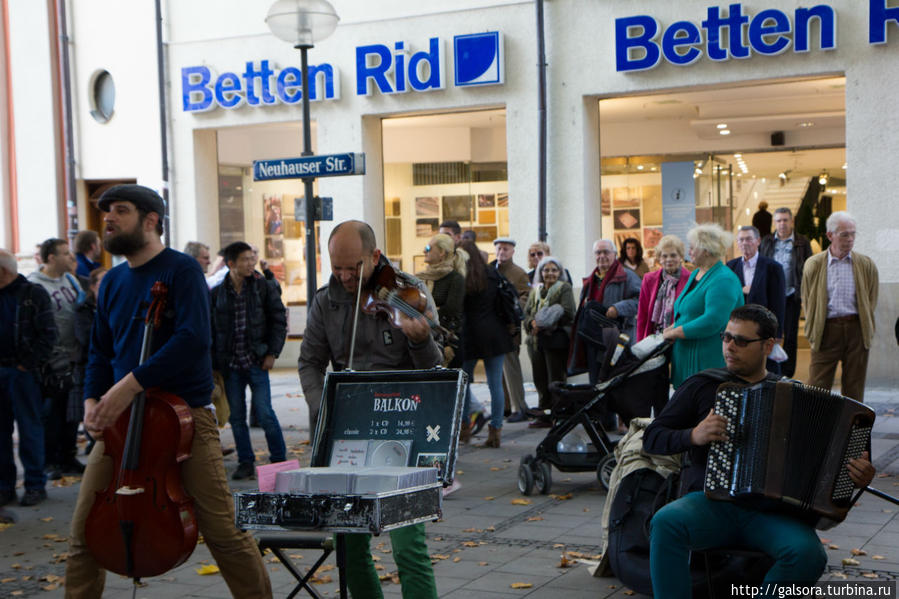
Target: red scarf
(615,274)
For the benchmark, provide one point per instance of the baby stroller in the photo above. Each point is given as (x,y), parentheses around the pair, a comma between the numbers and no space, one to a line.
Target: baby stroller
(633,381)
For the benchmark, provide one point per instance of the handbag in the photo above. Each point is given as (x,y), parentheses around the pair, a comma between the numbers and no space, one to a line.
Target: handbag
(592,321)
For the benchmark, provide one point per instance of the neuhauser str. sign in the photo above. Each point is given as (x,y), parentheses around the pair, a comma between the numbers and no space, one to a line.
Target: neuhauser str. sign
(641,42)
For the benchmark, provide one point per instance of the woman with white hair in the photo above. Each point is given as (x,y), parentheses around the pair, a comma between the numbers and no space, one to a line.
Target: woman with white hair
(549,314)
(702,309)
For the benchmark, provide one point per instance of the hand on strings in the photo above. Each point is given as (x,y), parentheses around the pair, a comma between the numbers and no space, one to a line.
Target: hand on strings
(861,470)
(712,428)
(112,404)
(416,329)
(90,406)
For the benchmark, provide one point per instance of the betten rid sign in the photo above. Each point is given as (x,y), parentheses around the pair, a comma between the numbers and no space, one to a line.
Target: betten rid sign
(641,42)
(477,61)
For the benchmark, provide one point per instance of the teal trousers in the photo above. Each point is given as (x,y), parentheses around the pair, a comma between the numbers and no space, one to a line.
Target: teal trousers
(410,552)
(695,522)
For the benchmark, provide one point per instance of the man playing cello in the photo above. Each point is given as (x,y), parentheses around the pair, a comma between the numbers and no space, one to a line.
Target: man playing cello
(179,365)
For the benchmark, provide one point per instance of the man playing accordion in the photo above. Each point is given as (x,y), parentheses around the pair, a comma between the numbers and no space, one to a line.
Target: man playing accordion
(694,522)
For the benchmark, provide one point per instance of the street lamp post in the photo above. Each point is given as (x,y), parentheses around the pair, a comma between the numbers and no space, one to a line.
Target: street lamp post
(303,23)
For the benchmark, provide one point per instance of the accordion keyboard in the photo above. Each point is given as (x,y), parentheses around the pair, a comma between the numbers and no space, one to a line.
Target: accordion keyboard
(722,455)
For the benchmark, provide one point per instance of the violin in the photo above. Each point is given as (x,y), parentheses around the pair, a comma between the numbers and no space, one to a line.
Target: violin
(143,523)
(390,295)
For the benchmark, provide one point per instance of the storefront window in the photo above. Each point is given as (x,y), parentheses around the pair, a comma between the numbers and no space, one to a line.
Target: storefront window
(262,213)
(439,168)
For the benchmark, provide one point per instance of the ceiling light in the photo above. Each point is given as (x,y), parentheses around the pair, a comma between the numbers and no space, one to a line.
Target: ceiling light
(724,132)
(653,169)
(782,175)
(822,178)
(844,166)
(738,156)
(805,124)
(639,167)
(722,125)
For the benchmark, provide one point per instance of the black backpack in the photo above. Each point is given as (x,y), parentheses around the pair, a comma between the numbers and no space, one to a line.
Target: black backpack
(507,305)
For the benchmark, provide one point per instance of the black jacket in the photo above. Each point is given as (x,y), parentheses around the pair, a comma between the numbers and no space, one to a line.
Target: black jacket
(34,329)
(802,251)
(266,320)
(768,287)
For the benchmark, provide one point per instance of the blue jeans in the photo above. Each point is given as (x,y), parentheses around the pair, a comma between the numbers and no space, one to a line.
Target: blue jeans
(697,522)
(236,382)
(20,400)
(494,367)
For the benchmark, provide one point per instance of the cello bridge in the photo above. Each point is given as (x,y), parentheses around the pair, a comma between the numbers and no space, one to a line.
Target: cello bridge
(129,490)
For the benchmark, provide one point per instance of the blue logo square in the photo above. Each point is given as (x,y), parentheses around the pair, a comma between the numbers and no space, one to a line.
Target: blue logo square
(478,59)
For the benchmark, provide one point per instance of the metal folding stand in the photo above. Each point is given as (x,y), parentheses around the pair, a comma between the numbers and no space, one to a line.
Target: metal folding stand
(324,543)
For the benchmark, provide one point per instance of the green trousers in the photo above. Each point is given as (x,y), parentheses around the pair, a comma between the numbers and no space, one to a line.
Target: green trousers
(410,552)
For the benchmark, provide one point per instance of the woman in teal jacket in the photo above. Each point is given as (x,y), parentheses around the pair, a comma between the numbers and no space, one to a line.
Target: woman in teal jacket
(702,310)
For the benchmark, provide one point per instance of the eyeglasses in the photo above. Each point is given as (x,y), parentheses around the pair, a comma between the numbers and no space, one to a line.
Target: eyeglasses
(427,248)
(535,254)
(739,340)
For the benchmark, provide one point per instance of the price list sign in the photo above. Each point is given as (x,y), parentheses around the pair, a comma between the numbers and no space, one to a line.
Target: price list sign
(406,418)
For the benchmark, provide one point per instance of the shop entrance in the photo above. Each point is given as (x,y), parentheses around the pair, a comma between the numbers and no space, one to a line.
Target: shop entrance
(725,149)
(441,167)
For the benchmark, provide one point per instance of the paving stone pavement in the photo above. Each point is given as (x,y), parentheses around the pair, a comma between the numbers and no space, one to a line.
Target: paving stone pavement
(483,544)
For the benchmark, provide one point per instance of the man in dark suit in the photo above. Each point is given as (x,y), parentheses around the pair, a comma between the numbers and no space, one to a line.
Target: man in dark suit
(790,250)
(762,279)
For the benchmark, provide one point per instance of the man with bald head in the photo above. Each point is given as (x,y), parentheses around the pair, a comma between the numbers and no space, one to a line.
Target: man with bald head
(355,262)
(24,308)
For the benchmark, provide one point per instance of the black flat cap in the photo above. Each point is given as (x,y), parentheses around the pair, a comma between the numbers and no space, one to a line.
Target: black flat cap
(142,197)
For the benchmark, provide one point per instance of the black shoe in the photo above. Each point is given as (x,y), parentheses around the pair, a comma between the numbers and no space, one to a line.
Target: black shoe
(53,471)
(244,470)
(541,423)
(536,413)
(33,497)
(7,496)
(517,417)
(72,466)
(478,423)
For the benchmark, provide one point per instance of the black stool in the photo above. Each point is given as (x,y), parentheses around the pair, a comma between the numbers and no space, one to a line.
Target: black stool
(277,542)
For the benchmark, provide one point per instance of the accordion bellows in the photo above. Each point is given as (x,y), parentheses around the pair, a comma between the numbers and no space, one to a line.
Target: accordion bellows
(788,449)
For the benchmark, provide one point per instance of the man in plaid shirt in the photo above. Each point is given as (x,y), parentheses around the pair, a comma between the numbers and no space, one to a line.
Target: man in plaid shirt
(249,325)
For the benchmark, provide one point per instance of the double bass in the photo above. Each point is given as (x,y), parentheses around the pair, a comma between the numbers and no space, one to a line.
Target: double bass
(143,524)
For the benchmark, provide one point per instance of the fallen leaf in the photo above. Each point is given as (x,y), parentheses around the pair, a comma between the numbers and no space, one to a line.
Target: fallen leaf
(16,566)
(579,555)
(884,511)
(848,561)
(496,469)
(521,502)
(564,497)
(628,592)
(489,498)
(321,579)
(457,559)
(207,570)
(842,575)
(273,559)
(877,557)
(47,519)
(825,541)
(5,525)
(564,562)
(327,568)
(439,556)
(295,556)
(482,563)
(832,546)
(470,543)
(490,529)
(471,530)
(376,558)
(521,585)
(17,593)
(858,552)
(535,518)
(586,509)
(51,587)
(870,575)
(5,580)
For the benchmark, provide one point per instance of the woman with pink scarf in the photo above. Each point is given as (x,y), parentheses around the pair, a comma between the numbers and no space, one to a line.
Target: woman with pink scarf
(660,288)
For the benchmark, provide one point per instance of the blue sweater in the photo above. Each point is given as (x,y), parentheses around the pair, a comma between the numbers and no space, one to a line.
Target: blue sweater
(180,361)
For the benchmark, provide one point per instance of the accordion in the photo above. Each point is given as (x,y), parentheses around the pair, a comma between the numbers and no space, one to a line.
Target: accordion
(788,448)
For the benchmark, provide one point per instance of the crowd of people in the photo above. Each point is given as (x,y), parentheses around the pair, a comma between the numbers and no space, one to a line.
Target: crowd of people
(68,350)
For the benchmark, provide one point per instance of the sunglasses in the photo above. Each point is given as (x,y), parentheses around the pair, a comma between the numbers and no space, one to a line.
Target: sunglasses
(535,254)
(739,340)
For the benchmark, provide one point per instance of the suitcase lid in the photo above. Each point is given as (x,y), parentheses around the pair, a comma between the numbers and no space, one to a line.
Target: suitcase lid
(391,418)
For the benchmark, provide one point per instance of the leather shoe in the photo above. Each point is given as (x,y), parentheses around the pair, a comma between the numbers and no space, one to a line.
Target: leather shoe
(7,496)
(541,423)
(244,470)
(517,417)
(53,472)
(33,497)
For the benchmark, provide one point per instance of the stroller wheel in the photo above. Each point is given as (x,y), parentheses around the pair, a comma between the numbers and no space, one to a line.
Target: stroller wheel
(525,480)
(604,469)
(525,460)
(543,479)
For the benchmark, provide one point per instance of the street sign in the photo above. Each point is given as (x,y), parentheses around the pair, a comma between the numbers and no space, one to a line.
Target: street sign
(328,165)
(324,209)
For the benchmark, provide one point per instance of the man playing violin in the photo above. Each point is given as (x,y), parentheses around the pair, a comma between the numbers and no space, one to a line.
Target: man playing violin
(379,345)
(179,365)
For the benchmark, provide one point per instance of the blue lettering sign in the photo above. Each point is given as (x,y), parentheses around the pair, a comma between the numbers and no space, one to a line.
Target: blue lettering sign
(878,19)
(730,35)
(636,33)
(330,165)
(375,64)
(256,86)
(195,80)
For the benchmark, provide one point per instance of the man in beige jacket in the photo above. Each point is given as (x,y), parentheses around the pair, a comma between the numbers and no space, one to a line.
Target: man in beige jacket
(839,293)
